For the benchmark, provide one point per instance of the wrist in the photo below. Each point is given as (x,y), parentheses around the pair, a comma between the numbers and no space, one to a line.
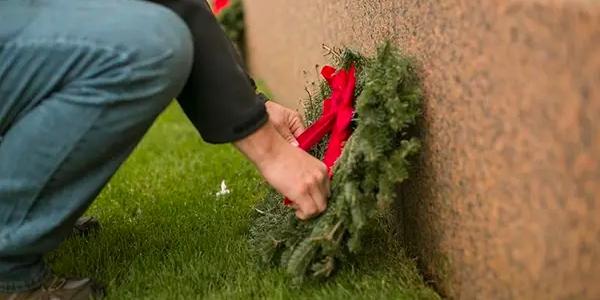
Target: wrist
(261,145)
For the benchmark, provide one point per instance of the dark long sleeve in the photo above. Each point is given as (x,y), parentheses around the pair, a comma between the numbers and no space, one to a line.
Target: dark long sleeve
(219,97)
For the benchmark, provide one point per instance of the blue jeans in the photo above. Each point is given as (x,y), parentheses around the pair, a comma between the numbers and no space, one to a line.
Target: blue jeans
(80,84)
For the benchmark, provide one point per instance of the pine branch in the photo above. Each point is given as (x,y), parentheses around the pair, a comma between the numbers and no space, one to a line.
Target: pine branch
(374,161)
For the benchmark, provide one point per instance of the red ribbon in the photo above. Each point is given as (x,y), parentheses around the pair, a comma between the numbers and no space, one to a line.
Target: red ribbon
(219,5)
(336,118)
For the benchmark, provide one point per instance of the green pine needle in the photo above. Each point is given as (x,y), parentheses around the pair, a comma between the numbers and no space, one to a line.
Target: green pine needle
(375,160)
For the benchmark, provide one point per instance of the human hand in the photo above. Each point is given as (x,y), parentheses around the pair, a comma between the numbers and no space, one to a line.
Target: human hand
(286,121)
(291,171)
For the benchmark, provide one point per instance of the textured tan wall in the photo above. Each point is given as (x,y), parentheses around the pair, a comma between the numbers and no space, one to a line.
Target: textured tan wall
(507,200)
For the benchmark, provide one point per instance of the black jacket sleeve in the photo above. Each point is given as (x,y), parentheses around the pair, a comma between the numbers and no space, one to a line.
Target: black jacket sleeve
(219,97)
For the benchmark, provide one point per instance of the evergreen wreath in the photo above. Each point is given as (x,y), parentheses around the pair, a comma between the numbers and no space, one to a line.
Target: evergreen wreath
(374,161)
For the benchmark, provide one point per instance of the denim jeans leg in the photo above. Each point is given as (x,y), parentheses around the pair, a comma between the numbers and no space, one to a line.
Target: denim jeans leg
(78,90)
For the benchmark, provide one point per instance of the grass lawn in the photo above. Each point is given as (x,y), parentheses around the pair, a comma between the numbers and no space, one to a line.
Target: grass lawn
(166,235)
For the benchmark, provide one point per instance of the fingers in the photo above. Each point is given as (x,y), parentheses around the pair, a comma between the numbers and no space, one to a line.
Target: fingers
(288,122)
(320,191)
(288,135)
(316,194)
(305,208)
(296,124)
(301,215)
(319,196)
(293,128)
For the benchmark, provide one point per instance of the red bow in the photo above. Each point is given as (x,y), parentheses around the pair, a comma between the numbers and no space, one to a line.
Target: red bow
(336,118)
(219,5)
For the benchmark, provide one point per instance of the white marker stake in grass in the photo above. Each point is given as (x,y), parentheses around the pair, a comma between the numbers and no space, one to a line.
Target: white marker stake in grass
(224,191)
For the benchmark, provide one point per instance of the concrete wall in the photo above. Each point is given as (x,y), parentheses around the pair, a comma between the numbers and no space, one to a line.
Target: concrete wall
(507,200)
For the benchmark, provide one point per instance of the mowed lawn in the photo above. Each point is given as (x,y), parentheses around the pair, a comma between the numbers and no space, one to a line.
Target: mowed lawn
(166,235)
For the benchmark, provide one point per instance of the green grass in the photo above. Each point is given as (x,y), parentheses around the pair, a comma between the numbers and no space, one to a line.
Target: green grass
(166,235)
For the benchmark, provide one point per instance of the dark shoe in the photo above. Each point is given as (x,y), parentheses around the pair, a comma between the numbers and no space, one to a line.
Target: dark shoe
(55,288)
(85,226)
